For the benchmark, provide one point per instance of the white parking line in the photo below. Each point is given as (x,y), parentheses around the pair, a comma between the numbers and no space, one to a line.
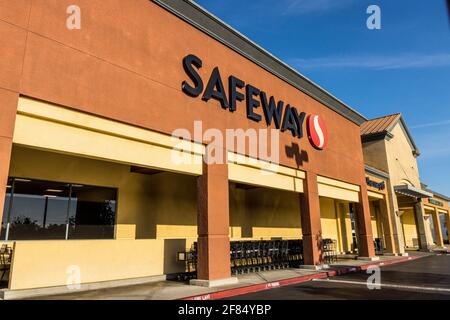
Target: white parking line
(384,285)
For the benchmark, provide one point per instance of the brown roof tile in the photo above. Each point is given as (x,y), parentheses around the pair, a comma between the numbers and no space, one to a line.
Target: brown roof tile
(379,125)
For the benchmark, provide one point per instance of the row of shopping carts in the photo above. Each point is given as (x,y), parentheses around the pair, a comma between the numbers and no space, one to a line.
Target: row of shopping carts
(329,251)
(261,255)
(5,261)
(251,256)
(190,260)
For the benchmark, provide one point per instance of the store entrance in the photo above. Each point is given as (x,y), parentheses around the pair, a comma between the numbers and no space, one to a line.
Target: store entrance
(265,229)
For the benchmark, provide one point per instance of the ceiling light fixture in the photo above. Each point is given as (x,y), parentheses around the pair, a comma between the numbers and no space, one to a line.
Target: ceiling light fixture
(54,190)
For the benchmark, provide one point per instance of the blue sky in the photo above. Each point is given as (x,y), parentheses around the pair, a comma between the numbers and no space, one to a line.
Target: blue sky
(404,67)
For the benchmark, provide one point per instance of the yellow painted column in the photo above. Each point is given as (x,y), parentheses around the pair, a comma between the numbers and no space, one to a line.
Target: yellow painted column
(437,228)
(419,212)
(387,226)
(448,225)
(338,227)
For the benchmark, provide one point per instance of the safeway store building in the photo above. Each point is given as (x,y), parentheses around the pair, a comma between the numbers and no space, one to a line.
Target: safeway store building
(86,148)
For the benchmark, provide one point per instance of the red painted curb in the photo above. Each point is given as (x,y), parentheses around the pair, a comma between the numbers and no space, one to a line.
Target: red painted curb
(286,282)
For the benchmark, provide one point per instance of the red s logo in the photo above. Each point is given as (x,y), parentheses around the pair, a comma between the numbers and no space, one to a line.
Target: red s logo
(317,132)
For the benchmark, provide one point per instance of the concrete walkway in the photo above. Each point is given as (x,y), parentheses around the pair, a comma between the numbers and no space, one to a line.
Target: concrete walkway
(171,290)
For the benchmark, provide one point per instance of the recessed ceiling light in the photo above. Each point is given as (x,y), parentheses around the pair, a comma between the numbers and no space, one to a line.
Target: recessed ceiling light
(54,190)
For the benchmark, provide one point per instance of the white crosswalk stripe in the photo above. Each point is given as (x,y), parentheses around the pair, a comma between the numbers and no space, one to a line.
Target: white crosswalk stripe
(362,283)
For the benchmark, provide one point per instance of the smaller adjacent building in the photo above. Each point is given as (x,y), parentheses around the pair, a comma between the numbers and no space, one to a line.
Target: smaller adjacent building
(438,208)
(405,214)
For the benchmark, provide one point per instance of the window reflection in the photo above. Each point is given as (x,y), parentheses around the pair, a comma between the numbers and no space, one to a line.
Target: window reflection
(92,213)
(40,210)
(6,208)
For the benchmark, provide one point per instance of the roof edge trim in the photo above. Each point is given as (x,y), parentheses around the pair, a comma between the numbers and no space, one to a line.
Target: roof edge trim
(416,150)
(376,172)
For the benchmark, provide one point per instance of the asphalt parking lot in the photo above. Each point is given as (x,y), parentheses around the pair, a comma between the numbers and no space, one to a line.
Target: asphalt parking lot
(424,278)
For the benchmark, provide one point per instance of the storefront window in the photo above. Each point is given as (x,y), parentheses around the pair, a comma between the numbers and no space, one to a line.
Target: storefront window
(92,213)
(42,210)
(6,208)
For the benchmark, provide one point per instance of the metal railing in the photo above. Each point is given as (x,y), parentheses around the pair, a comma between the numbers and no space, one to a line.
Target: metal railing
(5,260)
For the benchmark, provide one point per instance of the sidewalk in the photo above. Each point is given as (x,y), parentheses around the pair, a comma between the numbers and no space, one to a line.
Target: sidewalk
(171,290)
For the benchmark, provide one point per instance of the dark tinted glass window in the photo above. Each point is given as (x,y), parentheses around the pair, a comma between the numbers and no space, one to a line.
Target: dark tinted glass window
(6,209)
(92,213)
(39,210)
(53,210)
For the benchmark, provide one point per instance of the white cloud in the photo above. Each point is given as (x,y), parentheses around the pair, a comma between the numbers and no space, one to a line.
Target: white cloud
(436,153)
(431,124)
(400,61)
(309,6)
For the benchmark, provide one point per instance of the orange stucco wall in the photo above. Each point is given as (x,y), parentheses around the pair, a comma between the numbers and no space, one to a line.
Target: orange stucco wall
(126,63)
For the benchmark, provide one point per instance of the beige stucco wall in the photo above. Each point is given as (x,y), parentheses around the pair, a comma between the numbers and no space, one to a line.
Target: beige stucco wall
(428,224)
(328,219)
(403,168)
(375,155)
(238,217)
(394,156)
(263,213)
(34,264)
(409,228)
(336,224)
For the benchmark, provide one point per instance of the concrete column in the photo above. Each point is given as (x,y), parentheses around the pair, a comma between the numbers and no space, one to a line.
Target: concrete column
(213,266)
(397,227)
(311,227)
(447,216)
(419,214)
(437,228)
(387,226)
(342,241)
(8,107)
(366,249)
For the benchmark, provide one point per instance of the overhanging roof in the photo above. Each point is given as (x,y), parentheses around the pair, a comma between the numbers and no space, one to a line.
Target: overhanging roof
(413,192)
(380,128)
(208,23)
